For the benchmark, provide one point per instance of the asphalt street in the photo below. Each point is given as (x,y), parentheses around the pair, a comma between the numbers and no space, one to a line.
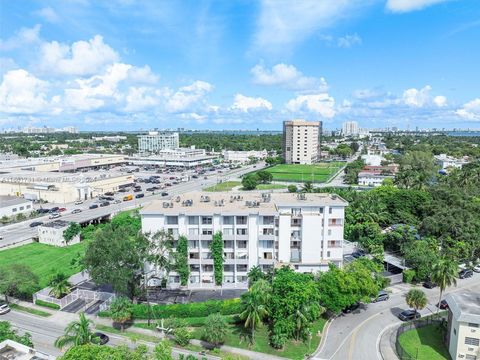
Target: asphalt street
(356,336)
(20,233)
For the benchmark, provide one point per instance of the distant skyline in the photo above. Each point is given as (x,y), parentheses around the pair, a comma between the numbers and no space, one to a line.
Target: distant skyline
(127,65)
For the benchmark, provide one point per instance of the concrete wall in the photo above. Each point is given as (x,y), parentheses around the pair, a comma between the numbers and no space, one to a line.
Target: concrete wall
(13,210)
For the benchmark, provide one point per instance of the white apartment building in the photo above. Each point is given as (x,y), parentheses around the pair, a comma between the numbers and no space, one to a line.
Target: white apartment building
(243,156)
(446,161)
(463,333)
(52,234)
(301,141)
(156,141)
(304,231)
(350,128)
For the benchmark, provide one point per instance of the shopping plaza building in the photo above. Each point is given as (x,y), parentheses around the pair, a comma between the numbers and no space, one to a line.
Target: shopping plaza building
(304,231)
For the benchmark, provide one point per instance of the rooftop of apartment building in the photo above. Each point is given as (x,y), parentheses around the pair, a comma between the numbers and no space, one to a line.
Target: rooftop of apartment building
(239,202)
(465,306)
(300,122)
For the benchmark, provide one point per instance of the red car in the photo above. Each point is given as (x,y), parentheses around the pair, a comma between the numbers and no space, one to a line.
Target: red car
(62,210)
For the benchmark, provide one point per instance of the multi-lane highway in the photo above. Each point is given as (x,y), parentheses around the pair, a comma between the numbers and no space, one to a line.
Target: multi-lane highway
(21,233)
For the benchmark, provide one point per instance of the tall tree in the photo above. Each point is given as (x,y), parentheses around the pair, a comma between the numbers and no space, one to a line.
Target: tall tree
(121,311)
(7,333)
(254,310)
(416,299)
(417,170)
(181,260)
(78,332)
(444,273)
(18,280)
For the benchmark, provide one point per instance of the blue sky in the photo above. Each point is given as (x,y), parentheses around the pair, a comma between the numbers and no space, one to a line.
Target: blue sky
(125,64)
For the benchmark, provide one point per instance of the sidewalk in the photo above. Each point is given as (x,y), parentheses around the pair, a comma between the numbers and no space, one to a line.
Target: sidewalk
(386,345)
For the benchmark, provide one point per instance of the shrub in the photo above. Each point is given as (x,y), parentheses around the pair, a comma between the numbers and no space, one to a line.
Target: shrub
(47,304)
(292,188)
(182,336)
(408,275)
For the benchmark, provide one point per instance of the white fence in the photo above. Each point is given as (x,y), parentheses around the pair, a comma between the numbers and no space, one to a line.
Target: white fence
(87,295)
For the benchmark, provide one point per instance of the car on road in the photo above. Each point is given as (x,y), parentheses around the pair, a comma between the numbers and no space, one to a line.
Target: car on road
(429,284)
(93,206)
(36,223)
(351,308)
(117,201)
(476,268)
(105,203)
(465,273)
(43,211)
(164,193)
(62,209)
(138,196)
(54,209)
(102,338)
(408,315)
(382,296)
(79,202)
(150,189)
(54,216)
(137,190)
(109,193)
(76,211)
(442,304)
(4,308)
(122,190)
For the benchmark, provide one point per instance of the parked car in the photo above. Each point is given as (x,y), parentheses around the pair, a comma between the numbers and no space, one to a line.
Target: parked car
(150,189)
(408,315)
(4,308)
(382,296)
(79,202)
(93,206)
(476,268)
(443,304)
(105,203)
(429,284)
(164,193)
(137,190)
(62,209)
(465,273)
(122,190)
(43,211)
(359,253)
(138,196)
(54,209)
(117,201)
(351,308)
(76,211)
(54,216)
(36,223)
(103,339)
(109,193)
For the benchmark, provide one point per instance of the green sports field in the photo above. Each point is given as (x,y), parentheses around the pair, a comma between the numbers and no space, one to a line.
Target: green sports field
(318,173)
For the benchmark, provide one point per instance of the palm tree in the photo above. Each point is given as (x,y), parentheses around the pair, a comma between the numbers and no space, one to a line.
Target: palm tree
(254,275)
(300,320)
(416,299)
(444,273)
(254,310)
(307,187)
(60,285)
(77,333)
(121,311)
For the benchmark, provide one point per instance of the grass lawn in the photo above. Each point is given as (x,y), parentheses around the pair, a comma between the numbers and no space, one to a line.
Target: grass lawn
(239,337)
(270,186)
(224,186)
(300,173)
(43,260)
(30,310)
(131,335)
(427,341)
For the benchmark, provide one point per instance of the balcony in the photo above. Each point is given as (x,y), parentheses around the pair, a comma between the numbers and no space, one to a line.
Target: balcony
(242,236)
(242,244)
(206,237)
(334,243)
(295,255)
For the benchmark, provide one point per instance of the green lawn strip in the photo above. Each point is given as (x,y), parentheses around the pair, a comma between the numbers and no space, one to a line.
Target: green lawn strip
(427,342)
(293,172)
(29,310)
(43,260)
(131,335)
(270,186)
(191,321)
(224,186)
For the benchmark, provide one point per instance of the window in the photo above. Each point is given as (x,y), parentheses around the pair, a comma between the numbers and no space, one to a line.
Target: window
(21,208)
(268,232)
(228,220)
(228,231)
(14,210)
(328,254)
(330,210)
(193,220)
(28,206)
(241,231)
(193,231)
(172,220)
(470,357)
(206,220)
(472,341)
(207,232)
(268,220)
(473,325)
(329,232)
(241,220)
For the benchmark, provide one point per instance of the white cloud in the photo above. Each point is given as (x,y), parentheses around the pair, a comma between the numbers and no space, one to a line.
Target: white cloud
(401,6)
(141,98)
(188,96)
(246,103)
(349,40)
(322,104)
(48,14)
(287,76)
(440,100)
(24,36)
(22,93)
(420,98)
(470,110)
(81,58)
(282,23)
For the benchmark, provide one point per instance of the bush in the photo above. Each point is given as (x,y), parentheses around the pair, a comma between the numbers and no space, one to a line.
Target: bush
(182,336)
(408,275)
(202,309)
(47,304)
(292,188)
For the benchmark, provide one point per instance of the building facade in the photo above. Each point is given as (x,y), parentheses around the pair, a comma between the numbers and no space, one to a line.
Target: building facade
(301,141)
(52,234)
(156,141)
(243,156)
(304,231)
(12,206)
(350,128)
(463,333)
(12,350)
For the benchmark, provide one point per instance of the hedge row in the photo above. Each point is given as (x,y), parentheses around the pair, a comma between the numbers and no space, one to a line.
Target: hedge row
(202,309)
(47,304)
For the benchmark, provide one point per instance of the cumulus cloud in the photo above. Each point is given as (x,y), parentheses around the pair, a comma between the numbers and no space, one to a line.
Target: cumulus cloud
(246,103)
(420,98)
(48,14)
(187,96)
(470,110)
(345,41)
(286,76)
(322,104)
(81,58)
(24,36)
(22,93)
(402,6)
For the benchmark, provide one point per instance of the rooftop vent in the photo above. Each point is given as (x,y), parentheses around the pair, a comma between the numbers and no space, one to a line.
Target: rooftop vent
(334,196)
(177,199)
(301,196)
(204,198)
(165,204)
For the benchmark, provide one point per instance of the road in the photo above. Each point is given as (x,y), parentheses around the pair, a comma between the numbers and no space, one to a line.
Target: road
(356,336)
(21,232)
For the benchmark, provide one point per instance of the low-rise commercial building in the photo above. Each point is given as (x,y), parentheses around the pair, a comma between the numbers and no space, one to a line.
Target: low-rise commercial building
(243,156)
(12,206)
(375,175)
(179,157)
(52,234)
(463,333)
(304,231)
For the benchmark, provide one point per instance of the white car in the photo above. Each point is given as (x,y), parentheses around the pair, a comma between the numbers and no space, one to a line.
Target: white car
(476,268)
(4,308)
(54,216)
(78,202)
